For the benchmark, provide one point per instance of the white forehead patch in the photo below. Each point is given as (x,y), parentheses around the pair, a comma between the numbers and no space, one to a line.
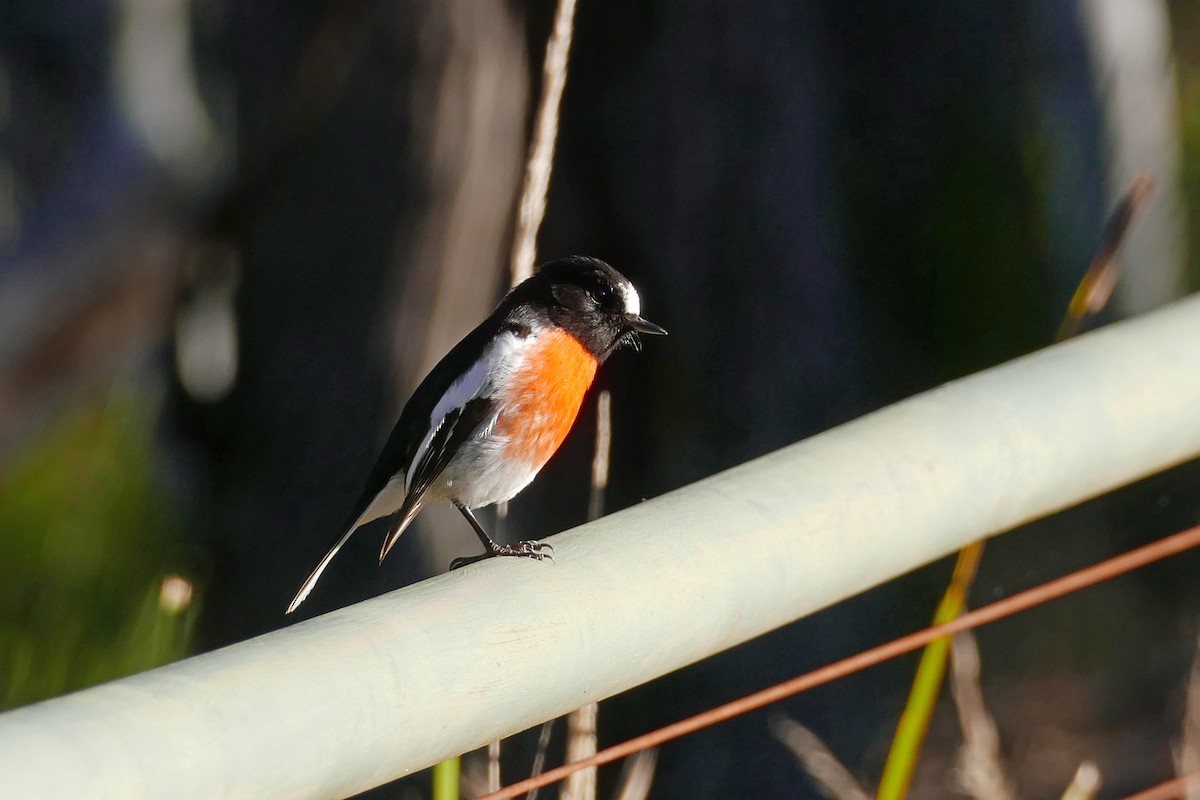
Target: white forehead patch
(630,299)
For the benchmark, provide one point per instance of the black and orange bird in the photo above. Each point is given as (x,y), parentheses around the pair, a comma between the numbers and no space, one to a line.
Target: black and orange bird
(488,417)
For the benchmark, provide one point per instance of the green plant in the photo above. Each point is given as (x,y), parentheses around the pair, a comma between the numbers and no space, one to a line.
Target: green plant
(85,590)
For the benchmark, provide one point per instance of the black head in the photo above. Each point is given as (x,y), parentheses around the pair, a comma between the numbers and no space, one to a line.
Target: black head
(587,298)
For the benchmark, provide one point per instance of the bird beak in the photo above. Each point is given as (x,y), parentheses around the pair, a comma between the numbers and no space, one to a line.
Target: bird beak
(643,326)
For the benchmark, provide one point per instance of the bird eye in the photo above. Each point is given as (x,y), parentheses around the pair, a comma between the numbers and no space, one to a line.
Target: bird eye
(602,295)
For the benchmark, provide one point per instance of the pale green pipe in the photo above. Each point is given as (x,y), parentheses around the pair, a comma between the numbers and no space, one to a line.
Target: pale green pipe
(351,699)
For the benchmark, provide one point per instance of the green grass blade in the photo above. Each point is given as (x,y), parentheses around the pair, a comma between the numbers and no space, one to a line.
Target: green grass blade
(927,685)
(446,778)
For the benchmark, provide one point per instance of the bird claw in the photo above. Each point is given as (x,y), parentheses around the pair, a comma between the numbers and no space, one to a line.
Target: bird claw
(535,549)
(538,551)
(463,561)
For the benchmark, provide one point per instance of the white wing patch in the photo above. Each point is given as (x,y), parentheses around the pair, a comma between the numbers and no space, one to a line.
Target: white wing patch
(498,362)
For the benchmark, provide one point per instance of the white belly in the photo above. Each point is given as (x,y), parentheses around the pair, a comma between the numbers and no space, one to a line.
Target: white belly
(492,479)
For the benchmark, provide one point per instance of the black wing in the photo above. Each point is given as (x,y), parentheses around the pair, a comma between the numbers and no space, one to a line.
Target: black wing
(401,447)
(458,426)
(397,454)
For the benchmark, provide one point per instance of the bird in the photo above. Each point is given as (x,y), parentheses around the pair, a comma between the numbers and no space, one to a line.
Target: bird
(492,412)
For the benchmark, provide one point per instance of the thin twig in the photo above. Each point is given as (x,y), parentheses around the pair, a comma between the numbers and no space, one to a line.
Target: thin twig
(581,723)
(581,744)
(637,775)
(980,770)
(539,756)
(601,455)
(532,206)
(1085,784)
(493,771)
(1089,576)
(1188,759)
(831,776)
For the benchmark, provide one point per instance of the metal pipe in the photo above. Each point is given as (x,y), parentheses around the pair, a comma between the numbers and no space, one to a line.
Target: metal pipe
(354,698)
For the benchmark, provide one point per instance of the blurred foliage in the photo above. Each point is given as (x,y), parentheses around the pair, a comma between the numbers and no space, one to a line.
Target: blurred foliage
(85,534)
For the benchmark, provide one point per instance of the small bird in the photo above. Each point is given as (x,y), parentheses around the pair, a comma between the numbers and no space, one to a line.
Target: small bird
(488,417)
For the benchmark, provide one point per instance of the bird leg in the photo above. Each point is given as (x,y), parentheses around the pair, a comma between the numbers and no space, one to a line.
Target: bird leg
(529,549)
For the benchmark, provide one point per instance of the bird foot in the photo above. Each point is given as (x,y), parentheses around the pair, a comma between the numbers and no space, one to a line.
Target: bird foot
(538,551)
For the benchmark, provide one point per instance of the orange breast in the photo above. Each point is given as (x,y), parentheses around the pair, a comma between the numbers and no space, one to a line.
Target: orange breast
(544,397)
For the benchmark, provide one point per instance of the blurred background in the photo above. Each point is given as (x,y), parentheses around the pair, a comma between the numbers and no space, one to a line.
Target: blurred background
(235,235)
